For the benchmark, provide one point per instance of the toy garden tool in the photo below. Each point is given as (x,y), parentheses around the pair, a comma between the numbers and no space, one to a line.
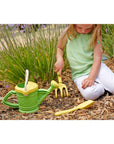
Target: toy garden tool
(83,105)
(61,86)
(28,95)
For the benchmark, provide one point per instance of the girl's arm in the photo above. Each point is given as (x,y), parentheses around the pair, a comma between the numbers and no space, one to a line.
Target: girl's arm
(88,82)
(59,65)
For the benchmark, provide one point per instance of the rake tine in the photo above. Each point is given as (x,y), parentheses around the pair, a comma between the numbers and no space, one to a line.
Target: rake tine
(66,90)
(61,92)
(56,93)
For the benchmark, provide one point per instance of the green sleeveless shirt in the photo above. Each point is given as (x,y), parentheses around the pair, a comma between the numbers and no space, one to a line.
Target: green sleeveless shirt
(80,57)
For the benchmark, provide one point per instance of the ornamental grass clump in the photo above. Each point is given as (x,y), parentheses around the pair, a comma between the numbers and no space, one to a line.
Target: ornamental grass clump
(30,49)
(108,39)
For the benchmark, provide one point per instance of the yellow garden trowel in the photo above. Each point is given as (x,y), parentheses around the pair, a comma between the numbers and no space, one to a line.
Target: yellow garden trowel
(61,87)
(83,105)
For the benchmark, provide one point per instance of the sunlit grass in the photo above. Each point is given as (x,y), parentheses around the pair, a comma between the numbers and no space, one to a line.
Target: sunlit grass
(36,52)
(108,39)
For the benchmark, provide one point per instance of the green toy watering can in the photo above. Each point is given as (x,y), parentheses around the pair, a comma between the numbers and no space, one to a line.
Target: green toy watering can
(28,95)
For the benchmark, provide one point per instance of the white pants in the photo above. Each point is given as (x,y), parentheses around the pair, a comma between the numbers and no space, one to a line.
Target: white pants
(104,81)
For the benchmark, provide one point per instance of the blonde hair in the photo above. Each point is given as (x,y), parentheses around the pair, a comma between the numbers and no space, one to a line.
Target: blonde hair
(71,32)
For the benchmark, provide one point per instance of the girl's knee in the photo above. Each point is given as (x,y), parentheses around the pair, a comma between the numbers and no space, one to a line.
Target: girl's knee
(110,88)
(89,96)
(92,93)
(112,91)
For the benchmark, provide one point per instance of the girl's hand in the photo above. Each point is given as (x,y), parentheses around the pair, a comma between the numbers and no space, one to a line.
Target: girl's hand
(88,82)
(59,65)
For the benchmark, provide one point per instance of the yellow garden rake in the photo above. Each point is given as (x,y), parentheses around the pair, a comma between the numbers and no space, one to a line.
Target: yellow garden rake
(61,87)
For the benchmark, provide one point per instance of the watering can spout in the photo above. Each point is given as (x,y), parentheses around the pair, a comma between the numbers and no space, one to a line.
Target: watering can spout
(43,93)
(54,85)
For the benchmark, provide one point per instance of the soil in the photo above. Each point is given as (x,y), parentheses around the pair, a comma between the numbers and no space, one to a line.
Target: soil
(102,109)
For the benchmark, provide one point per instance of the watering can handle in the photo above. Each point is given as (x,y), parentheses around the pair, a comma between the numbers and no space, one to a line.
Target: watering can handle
(4,101)
(26,79)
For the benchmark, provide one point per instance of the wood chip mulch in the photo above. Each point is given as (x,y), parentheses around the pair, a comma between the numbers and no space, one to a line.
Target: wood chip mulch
(102,109)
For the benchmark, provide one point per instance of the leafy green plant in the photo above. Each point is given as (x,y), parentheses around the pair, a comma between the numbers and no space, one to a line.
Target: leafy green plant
(35,51)
(108,39)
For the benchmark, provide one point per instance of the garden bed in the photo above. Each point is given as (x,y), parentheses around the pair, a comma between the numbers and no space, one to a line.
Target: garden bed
(102,109)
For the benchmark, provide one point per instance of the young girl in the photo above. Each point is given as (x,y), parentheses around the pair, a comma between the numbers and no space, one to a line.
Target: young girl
(84,52)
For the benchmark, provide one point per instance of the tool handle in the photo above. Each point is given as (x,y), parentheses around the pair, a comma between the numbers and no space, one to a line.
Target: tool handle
(66,111)
(59,78)
(4,101)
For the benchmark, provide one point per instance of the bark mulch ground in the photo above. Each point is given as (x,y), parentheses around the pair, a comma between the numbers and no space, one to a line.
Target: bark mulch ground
(102,109)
